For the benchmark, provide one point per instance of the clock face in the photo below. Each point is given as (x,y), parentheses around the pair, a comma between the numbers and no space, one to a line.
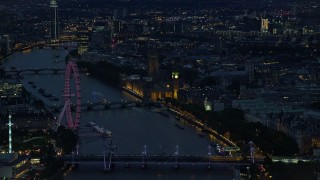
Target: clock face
(175,75)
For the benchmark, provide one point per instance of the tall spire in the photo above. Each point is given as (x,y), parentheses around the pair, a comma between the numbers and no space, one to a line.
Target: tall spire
(54,17)
(53,4)
(10,133)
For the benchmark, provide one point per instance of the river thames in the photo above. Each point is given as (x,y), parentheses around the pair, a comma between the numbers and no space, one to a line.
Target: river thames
(132,128)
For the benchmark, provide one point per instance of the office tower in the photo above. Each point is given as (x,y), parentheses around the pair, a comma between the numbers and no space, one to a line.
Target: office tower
(116,14)
(250,71)
(124,13)
(5,45)
(153,65)
(264,25)
(53,19)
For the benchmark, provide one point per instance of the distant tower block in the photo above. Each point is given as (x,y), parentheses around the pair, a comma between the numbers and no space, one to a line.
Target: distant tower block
(153,65)
(294,11)
(182,30)
(53,19)
(250,72)
(124,13)
(264,26)
(116,14)
(5,44)
(246,12)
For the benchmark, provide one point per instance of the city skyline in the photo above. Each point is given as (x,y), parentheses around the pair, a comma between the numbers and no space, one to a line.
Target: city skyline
(140,84)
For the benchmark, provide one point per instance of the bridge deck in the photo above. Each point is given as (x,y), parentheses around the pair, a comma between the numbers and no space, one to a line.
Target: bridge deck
(156,159)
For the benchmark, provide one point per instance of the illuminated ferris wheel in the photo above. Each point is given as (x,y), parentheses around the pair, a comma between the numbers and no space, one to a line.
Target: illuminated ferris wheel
(72,96)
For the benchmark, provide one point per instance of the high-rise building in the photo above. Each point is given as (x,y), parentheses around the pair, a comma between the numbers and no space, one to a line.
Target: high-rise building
(264,25)
(116,14)
(5,45)
(294,11)
(53,19)
(153,65)
(99,35)
(124,13)
(83,39)
(250,71)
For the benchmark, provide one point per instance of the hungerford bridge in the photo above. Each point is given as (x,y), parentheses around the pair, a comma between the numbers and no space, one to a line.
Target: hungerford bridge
(110,159)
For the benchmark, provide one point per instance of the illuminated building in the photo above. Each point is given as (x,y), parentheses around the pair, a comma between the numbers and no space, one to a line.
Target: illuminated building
(152,87)
(13,165)
(264,26)
(134,85)
(160,91)
(207,105)
(83,39)
(10,91)
(53,19)
(82,48)
(146,88)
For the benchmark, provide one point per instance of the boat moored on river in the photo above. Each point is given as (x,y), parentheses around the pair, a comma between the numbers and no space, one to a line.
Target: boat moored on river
(100,130)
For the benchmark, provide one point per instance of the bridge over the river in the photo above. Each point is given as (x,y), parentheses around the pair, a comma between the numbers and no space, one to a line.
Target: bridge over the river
(34,70)
(176,161)
(110,159)
(58,46)
(100,104)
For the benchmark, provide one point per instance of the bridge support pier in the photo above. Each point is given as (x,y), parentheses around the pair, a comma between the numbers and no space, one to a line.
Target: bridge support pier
(143,166)
(209,157)
(144,153)
(106,170)
(176,153)
(127,165)
(109,169)
(108,166)
(75,166)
